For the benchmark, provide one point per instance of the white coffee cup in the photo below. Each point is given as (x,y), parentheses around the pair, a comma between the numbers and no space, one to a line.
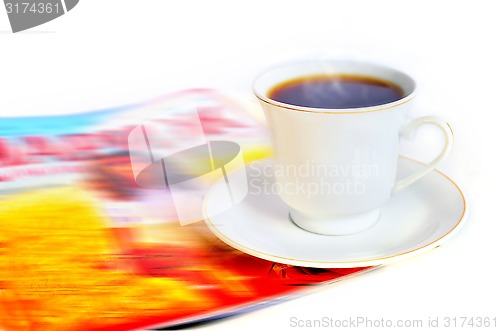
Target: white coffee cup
(337,167)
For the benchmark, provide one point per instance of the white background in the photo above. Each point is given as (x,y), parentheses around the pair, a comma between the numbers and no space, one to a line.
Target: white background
(112,52)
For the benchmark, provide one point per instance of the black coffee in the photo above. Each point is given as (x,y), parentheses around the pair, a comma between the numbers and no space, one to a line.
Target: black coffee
(336,91)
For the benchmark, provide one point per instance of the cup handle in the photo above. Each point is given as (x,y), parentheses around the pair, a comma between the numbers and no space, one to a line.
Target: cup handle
(408,131)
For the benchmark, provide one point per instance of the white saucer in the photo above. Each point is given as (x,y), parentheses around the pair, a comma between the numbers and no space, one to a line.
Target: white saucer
(414,221)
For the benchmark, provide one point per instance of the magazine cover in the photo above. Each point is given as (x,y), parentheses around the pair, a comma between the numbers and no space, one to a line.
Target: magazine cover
(83,246)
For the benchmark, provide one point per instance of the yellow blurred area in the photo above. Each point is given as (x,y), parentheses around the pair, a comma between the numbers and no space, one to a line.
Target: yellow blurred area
(52,242)
(253,152)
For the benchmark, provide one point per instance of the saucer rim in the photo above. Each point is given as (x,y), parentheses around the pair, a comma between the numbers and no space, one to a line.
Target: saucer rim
(345,264)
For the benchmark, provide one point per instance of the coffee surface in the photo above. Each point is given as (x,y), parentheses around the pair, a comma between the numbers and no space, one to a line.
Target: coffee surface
(336,91)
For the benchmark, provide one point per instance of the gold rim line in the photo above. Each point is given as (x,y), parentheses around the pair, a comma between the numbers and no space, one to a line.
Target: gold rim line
(451,130)
(340,112)
(212,226)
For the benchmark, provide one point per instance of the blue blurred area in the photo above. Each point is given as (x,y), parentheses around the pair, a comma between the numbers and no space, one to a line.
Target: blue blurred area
(57,124)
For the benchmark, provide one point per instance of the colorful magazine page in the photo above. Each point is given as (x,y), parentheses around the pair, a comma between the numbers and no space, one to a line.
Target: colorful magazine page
(82,246)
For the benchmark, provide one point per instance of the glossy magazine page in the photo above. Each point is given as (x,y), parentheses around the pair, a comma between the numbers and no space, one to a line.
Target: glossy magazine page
(84,247)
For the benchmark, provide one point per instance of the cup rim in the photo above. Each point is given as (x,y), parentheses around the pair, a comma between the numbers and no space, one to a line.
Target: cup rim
(264,98)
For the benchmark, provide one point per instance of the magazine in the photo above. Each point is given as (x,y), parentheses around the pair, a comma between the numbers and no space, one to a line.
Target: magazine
(82,246)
